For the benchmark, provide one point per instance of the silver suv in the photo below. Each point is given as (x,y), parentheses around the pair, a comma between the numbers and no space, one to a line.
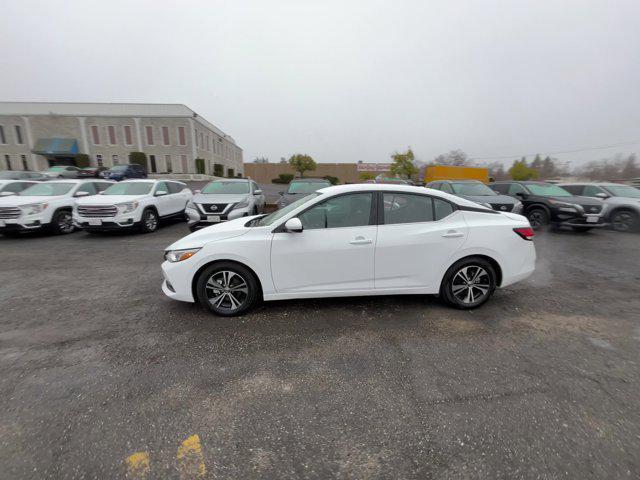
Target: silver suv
(622,201)
(223,200)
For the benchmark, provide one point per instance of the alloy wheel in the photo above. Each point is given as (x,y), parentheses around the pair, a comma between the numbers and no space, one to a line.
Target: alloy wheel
(536,218)
(471,284)
(151,221)
(226,290)
(622,221)
(65,223)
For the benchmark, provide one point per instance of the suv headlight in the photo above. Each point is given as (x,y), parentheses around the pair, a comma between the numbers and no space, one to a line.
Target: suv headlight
(127,207)
(517,208)
(33,208)
(242,204)
(565,207)
(174,256)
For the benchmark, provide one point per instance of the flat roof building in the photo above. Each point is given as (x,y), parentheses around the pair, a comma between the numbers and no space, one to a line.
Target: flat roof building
(35,136)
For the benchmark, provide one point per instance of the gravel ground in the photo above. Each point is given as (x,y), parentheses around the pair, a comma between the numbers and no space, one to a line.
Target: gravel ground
(100,374)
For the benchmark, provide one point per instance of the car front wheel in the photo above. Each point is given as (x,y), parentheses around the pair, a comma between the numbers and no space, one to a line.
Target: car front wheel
(625,221)
(62,223)
(149,222)
(227,289)
(468,283)
(538,217)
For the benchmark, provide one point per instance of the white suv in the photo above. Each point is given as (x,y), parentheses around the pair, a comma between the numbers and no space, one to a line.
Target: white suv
(132,204)
(46,205)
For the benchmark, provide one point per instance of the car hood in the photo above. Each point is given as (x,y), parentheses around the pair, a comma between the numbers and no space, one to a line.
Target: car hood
(108,199)
(219,197)
(17,200)
(213,233)
(491,199)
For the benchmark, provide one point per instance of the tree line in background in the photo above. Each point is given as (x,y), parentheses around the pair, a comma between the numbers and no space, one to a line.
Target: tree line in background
(405,165)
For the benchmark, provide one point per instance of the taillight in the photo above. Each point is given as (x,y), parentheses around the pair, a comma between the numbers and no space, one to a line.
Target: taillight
(525,233)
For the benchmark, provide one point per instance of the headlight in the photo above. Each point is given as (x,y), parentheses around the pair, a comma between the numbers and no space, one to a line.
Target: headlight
(192,206)
(517,208)
(242,204)
(127,207)
(174,256)
(33,208)
(564,206)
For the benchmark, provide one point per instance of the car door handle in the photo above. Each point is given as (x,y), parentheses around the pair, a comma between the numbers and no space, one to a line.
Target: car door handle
(453,234)
(361,241)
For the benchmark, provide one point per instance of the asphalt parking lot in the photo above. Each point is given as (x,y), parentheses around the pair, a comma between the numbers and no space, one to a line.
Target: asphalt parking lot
(102,375)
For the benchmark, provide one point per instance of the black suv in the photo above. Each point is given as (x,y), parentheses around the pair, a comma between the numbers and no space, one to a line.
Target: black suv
(547,204)
(478,192)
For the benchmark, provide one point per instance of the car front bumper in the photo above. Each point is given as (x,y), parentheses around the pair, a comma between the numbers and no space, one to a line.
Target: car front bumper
(591,221)
(118,222)
(177,281)
(24,223)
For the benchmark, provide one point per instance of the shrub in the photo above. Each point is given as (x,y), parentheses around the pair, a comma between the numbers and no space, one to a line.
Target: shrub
(200,165)
(283,178)
(82,160)
(367,176)
(138,157)
(333,180)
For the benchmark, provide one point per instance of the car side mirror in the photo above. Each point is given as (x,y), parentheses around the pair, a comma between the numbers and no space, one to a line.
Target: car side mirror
(257,192)
(7,194)
(160,193)
(602,196)
(293,225)
(81,194)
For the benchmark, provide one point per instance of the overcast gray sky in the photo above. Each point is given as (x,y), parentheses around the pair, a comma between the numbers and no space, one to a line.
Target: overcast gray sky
(347,80)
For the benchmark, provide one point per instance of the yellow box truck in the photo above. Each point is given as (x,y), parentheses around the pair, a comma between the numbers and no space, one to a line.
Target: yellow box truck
(444,172)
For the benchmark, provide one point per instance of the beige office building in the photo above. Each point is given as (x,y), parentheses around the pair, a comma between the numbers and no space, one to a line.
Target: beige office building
(35,136)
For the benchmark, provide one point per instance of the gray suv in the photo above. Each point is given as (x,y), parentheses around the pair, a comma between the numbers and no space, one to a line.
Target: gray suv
(622,201)
(223,200)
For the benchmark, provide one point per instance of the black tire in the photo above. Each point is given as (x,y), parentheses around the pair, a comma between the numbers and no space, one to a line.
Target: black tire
(149,221)
(581,229)
(468,283)
(625,221)
(254,211)
(192,228)
(62,223)
(538,217)
(235,297)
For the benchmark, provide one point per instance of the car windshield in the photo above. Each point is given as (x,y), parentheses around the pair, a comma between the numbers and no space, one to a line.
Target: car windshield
(623,191)
(56,169)
(129,188)
(118,168)
(278,214)
(47,189)
(307,187)
(220,186)
(472,189)
(547,190)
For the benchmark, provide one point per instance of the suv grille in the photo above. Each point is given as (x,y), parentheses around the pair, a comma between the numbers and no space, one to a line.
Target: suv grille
(214,207)
(10,212)
(97,211)
(503,207)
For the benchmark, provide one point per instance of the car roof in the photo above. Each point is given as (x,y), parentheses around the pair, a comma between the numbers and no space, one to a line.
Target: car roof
(459,181)
(77,180)
(310,180)
(232,180)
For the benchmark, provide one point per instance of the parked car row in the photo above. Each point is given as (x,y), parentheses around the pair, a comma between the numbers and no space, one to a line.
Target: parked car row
(60,206)
(117,172)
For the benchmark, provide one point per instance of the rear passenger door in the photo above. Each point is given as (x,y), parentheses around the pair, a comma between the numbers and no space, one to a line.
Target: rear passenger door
(163,202)
(417,237)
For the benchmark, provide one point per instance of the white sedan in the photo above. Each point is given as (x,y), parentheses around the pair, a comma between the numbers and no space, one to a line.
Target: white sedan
(353,240)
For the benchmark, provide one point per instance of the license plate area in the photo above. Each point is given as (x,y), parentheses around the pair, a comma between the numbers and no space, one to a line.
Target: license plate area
(95,221)
(592,219)
(213,218)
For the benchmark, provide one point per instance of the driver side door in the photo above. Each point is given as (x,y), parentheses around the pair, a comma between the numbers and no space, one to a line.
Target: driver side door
(334,252)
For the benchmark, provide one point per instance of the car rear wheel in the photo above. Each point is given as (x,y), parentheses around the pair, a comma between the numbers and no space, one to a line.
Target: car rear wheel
(468,283)
(62,223)
(149,221)
(625,221)
(538,217)
(227,289)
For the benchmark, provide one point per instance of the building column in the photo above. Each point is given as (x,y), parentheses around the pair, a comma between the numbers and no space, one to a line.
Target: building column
(138,134)
(194,152)
(29,134)
(85,141)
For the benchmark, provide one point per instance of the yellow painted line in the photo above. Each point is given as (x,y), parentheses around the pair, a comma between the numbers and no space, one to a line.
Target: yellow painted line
(138,465)
(190,459)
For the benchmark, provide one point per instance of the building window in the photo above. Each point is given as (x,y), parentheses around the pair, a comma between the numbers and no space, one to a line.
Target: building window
(25,165)
(19,135)
(111,130)
(149,131)
(202,140)
(95,135)
(152,160)
(3,139)
(114,159)
(165,135)
(208,144)
(7,160)
(167,159)
(99,160)
(181,136)
(128,138)
(185,167)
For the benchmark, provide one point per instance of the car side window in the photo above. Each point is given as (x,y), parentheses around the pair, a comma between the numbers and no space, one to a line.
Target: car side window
(434,185)
(255,186)
(90,188)
(161,186)
(442,208)
(102,186)
(591,191)
(407,208)
(500,187)
(516,188)
(16,187)
(446,188)
(175,187)
(353,210)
